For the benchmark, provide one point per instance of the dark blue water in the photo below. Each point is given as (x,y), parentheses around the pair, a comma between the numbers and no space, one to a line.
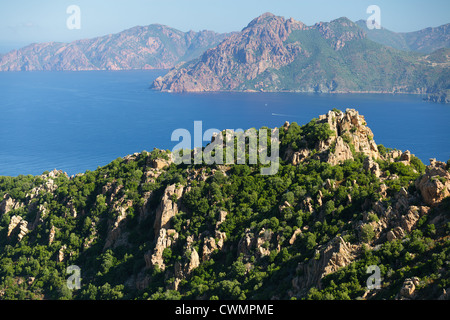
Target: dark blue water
(77,121)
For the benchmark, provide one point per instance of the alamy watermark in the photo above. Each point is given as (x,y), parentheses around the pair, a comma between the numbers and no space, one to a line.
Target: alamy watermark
(374,281)
(74,281)
(374,21)
(74,20)
(228,147)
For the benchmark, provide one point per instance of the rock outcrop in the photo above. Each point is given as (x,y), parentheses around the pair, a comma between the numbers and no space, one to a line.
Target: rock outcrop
(328,259)
(51,236)
(210,244)
(399,156)
(9,204)
(168,207)
(434,185)
(396,233)
(255,245)
(350,130)
(372,167)
(17,226)
(294,236)
(408,289)
(190,261)
(353,127)
(341,153)
(166,239)
(115,226)
(60,257)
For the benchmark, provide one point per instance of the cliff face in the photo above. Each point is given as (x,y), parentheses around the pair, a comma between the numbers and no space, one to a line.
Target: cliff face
(149,47)
(275,54)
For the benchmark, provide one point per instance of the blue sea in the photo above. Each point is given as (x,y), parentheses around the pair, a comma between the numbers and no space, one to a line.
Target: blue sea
(77,121)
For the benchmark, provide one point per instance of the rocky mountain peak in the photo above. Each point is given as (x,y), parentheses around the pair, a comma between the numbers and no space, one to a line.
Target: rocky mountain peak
(340,31)
(258,47)
(269,22)
(352,127)
(348,134)
(265,16)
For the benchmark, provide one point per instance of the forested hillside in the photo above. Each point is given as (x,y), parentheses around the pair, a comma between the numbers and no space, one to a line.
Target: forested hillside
(143,227)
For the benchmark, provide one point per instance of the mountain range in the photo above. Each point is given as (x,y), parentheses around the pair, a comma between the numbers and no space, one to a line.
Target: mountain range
(150,47)
(425,40)
(277,54)
(270,54)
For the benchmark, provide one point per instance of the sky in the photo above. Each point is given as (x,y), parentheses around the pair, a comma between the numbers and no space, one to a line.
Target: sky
(28,21)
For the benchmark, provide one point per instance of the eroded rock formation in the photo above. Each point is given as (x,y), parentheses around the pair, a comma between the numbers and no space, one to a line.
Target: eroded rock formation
(434,185)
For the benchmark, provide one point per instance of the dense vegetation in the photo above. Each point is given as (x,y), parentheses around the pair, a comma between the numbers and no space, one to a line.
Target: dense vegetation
(80,211)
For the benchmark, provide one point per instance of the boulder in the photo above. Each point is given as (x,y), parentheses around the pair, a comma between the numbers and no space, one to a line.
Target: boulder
(221,236)
(372,166)
(408,289)
(434,185)
(160,163)
(396,233)
(294,236)
(405,158)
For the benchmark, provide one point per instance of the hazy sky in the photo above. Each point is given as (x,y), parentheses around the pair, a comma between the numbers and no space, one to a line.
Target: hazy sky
(26,21)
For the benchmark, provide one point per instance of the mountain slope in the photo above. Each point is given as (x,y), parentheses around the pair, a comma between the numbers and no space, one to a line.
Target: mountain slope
(275,54)
(150,47)
(425,41)
(143,227)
